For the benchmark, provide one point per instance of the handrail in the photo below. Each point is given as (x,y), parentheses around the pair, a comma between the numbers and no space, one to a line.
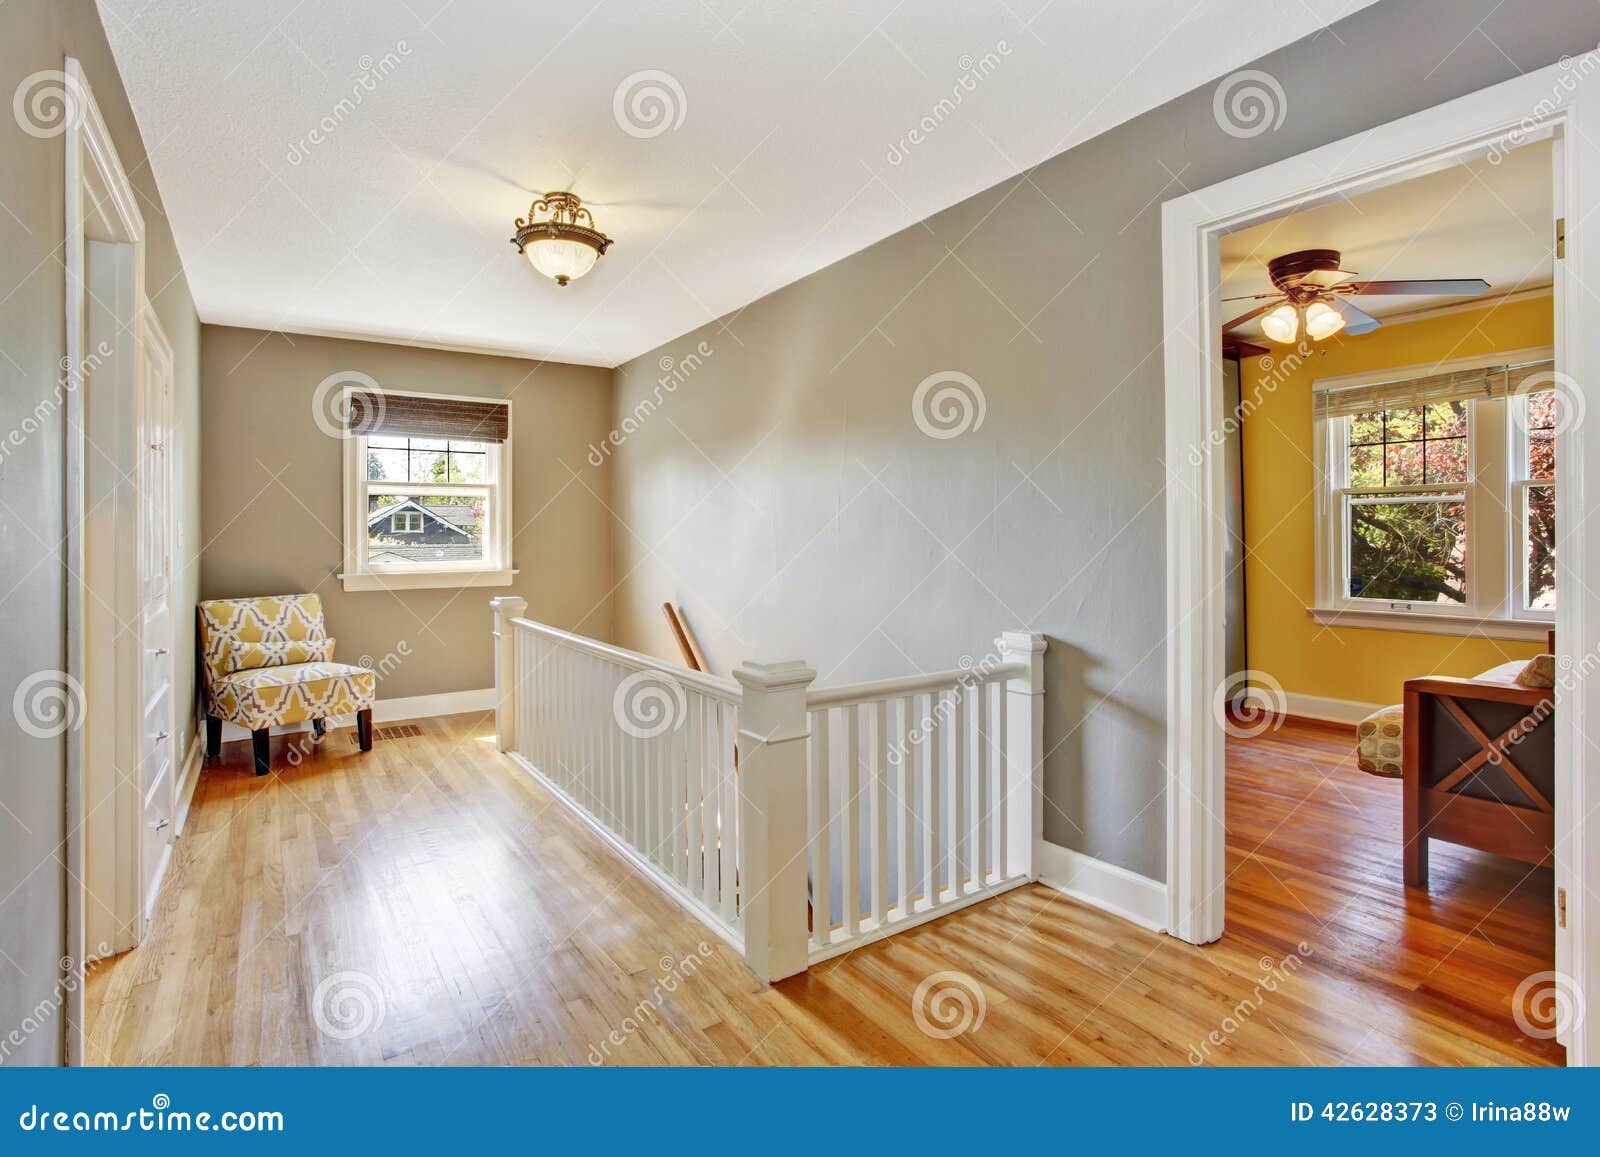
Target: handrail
(714,686)
(847,693)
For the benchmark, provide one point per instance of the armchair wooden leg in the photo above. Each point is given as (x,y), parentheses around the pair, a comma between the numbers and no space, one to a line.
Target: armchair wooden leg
(213,737)
(364,728)
(260,739)
(319,727)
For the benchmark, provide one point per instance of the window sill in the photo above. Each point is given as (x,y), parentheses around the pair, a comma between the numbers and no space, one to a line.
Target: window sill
(426,580)
(1423,623)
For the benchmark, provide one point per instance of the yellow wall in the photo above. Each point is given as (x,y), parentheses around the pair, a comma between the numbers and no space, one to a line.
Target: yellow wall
(1280,514)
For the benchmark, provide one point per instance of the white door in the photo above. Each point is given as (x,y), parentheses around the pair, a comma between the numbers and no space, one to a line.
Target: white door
(158,762)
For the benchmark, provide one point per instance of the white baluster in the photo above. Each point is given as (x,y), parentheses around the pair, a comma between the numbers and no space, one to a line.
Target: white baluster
(880,811)
(820,827)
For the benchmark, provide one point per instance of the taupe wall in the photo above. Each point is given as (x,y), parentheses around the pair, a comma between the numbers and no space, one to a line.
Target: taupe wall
(273,500)
(845,536)
(38,35)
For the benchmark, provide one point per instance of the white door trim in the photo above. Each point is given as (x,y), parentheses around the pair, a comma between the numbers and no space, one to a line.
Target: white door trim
(1555,100)
(100,206)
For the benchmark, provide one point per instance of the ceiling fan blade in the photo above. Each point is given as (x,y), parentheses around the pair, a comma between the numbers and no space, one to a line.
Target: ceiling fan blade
(1244,317)
(1447,287)
(1237,347)
(1356,321)
(1254,296)
(1327,278)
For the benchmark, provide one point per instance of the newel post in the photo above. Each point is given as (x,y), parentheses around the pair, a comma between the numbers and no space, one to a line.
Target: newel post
(773,728)
(506,608)
(1024,774)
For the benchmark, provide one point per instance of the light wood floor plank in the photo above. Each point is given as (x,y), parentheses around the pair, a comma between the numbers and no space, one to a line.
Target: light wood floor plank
(433,880)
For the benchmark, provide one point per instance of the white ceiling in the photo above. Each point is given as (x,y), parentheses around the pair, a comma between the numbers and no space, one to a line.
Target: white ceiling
(775,163)
(1483,219)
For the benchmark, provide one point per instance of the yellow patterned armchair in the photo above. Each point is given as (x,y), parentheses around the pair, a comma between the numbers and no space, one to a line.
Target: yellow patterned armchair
(268,662)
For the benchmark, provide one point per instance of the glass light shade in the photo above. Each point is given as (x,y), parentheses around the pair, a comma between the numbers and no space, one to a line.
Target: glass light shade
(562,261)
(1281,324)
(1322,320)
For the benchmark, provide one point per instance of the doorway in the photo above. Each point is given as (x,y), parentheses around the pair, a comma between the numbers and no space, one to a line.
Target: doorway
(1474,128)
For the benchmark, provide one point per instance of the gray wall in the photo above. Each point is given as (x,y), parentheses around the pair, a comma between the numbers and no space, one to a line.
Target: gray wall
(38,35)
(274,501)
(844,536)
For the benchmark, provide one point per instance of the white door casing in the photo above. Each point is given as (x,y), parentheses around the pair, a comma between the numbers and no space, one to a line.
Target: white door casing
(1561,101)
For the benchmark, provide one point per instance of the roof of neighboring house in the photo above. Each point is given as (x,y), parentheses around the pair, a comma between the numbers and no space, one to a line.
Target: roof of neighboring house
(456,515)
(424,552)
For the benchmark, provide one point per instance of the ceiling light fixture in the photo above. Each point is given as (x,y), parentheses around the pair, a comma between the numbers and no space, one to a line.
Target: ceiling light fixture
(1322,320)
(1282,324)
(563,246)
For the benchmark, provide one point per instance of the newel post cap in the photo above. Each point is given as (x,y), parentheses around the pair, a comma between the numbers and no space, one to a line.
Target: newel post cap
(774,676)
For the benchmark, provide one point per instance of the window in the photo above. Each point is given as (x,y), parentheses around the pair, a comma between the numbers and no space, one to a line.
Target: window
(427,491)
(1438,499)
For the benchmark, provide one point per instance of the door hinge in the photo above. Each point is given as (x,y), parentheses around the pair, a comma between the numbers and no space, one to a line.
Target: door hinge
(1561,237)
(1561,907)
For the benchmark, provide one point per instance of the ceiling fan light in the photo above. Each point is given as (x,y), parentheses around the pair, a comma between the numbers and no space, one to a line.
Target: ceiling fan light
(1281,324)
(1322,320)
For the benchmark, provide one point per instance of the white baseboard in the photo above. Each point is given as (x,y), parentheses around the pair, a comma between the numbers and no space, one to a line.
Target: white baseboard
(389,710)
(1328,710)
(1102,885)
(188,780)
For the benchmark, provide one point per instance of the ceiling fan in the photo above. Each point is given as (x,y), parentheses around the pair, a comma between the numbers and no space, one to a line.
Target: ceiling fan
(1313,297)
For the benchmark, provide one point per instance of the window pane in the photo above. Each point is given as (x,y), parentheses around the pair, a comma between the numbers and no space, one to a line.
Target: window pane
(1366,466)
(1366,428)
(1544,408)
(385,465)
(1403,464)
(1402,425)
(427,465)
(1445,420)
(408,530)
(1446,461)
(1539,552)
(465,467)
(1412,550)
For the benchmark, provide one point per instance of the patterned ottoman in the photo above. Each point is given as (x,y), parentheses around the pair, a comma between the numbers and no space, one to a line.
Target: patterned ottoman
(1380,742)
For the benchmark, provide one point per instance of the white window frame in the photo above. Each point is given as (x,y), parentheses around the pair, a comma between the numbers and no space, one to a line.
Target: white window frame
(1493,606)
(493,570)
(1518,486)
(411,516)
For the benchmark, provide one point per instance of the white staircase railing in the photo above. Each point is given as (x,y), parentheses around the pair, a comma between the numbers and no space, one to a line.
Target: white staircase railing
(798,823)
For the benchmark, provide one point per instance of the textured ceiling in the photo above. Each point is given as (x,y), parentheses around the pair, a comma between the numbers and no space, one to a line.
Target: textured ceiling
(1485,219)
(355,167)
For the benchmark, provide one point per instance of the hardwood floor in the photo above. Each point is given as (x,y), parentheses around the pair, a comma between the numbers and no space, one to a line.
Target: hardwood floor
(430,904)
